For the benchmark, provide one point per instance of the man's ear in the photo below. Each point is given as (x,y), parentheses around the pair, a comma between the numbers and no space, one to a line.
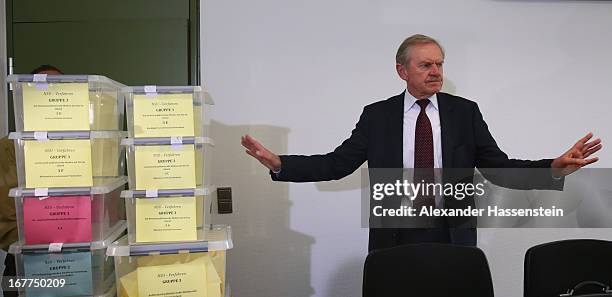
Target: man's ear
(401,71)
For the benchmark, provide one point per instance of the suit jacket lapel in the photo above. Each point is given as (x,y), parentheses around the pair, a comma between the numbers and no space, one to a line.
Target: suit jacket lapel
(445,106)
(395,130)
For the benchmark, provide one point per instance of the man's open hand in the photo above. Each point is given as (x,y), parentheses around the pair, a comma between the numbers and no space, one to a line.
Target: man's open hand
(577,156)
(262,154)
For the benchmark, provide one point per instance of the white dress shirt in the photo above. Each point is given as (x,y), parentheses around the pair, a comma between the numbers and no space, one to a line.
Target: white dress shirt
(411,112)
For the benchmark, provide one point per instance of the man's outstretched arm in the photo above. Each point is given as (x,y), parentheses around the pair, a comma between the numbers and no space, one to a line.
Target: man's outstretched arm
(344,160)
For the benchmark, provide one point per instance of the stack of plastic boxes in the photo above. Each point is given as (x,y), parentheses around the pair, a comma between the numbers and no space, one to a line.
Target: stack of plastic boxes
(170,249)
(70,176)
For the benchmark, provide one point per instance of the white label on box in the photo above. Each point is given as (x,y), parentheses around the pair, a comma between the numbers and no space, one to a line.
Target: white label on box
(150,90)
(176,140)
(38,192)
(41,135)
(151,193)
(39,78)
(55,247)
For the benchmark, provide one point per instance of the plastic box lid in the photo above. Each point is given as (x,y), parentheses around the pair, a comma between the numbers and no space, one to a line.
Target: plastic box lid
(19,247)
(60,78)
(164,193)
(102,185)
(217,238)
(171,90)
(168,140)
(55,135)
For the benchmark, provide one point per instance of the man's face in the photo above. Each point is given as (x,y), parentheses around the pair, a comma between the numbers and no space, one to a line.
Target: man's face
(423,72)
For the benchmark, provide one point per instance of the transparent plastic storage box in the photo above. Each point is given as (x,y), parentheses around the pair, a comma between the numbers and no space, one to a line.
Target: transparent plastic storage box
(166,111)
(170,268)
(67,158)
(168,162)
(66,102)
(83,267)
(167,215)
(69,215)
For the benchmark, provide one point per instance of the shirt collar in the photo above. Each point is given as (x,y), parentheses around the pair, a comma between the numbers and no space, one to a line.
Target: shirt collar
(409,100)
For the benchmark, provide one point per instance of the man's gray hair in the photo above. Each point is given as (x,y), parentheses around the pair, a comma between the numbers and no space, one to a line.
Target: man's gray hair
(403,52)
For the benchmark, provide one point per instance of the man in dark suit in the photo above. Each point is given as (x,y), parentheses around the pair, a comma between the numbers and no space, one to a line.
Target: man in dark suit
(420,128)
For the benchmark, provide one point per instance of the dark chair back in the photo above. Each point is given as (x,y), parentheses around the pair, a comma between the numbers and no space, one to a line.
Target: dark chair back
(427,269)
(553,268)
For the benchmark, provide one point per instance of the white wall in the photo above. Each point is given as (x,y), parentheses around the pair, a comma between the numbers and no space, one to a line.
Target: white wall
(296,74)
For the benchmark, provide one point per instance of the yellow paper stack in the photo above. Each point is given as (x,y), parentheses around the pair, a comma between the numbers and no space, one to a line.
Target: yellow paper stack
(167,155)
(182,269)
(176,273)
(169,249)
(70,174)
(68,129)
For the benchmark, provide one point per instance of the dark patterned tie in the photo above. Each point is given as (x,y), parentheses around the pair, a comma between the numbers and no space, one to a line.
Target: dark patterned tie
(423,154)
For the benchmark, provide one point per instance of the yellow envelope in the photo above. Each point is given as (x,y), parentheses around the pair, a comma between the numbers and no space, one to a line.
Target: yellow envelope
(166,219)
(128,285)
(58,163)
(55,106)
(214,283)
(212,262)
(165,167)
(218,260)
(181,280)
(163,115)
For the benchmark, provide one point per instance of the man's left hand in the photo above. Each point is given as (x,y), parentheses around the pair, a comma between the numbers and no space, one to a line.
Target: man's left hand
(577,156)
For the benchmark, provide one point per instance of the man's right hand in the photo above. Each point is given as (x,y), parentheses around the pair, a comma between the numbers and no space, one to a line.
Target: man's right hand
(262,154)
